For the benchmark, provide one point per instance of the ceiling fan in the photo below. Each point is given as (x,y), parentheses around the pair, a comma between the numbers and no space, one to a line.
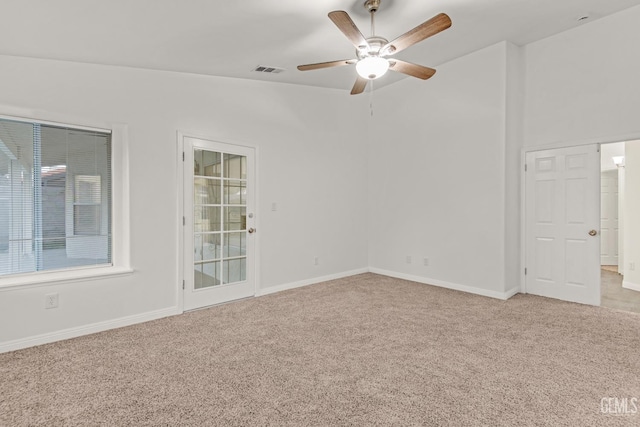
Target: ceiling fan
(372,52)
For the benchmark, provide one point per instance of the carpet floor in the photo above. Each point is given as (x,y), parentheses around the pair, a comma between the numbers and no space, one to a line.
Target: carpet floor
(365,350)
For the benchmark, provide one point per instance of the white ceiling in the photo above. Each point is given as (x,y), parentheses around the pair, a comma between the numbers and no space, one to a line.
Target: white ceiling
(230,38)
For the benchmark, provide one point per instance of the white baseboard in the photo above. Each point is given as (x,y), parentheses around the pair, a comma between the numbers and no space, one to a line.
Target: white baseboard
(87,329)
(171,311)
(511,292)
(307,282)
(629,285)
(440,283)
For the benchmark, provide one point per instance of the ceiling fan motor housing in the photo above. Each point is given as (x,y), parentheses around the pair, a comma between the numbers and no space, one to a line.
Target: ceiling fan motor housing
(375,44)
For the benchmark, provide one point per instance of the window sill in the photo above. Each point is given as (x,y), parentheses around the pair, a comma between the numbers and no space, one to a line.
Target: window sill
(24,281)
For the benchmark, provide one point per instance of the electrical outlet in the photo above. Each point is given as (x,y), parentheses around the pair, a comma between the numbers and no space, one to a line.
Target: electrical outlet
(408,259)
(51,301)
(316,261)
(425,261)
(274,206)
(632,266)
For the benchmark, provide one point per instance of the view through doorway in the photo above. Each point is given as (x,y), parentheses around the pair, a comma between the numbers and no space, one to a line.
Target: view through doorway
(619,169)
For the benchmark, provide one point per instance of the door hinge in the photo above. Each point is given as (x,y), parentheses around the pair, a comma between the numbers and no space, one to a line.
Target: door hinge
(183,284)
(525,271)
(183,156)
(525,167)
(184,221)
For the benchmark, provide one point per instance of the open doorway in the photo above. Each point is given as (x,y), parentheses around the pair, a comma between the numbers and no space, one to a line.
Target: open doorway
(620,217)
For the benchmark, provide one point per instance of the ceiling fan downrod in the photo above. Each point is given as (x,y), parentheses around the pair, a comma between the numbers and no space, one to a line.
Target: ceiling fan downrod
(372,6)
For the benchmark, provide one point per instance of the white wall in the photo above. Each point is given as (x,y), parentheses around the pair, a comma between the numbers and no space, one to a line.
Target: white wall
(438,174)
(621,219)
(582,85)
(514,119)
(311,164)
(631,213)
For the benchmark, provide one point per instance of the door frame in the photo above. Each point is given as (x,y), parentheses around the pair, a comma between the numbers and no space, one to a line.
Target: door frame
(523,193)
(180,228)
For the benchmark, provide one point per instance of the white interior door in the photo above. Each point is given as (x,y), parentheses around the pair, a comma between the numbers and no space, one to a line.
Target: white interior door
(219,222)
(609,218)
(562,222)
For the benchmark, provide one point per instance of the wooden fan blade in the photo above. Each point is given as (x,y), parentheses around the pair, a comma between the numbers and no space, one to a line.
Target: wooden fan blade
(410,69)
(347,26)
(330,64)
(358,88)
(427,29)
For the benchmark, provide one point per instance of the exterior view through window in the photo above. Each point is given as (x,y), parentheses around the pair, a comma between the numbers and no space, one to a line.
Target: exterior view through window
(55,197)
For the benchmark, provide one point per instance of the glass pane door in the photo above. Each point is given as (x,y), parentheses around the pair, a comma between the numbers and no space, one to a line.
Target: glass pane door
(220,218)
(219,199)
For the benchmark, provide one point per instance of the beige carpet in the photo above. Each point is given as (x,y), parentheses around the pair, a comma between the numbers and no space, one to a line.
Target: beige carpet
(367,350)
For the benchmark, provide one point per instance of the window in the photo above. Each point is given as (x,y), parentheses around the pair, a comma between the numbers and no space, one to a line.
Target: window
(55,197)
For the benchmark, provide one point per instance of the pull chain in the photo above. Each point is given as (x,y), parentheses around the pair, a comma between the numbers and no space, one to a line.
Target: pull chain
(371,98)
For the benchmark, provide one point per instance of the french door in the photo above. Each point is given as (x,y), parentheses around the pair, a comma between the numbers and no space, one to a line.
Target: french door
(562,224)
(219,242)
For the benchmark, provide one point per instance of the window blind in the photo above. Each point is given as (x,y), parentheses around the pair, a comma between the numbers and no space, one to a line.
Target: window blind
(55,197)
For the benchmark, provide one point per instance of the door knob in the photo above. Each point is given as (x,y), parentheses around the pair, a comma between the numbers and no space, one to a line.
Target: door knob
(593,233)
(251,230)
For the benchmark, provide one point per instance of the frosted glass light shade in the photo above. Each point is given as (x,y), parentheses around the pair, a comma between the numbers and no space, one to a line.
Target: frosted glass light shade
(372,67)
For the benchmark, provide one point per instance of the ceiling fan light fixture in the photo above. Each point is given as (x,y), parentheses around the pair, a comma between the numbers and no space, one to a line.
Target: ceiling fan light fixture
(372,67)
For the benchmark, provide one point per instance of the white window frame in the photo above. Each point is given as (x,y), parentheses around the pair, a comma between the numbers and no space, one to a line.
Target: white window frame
(120,227)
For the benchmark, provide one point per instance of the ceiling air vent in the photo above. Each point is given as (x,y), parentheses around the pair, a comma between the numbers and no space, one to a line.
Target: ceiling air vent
(270,70)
